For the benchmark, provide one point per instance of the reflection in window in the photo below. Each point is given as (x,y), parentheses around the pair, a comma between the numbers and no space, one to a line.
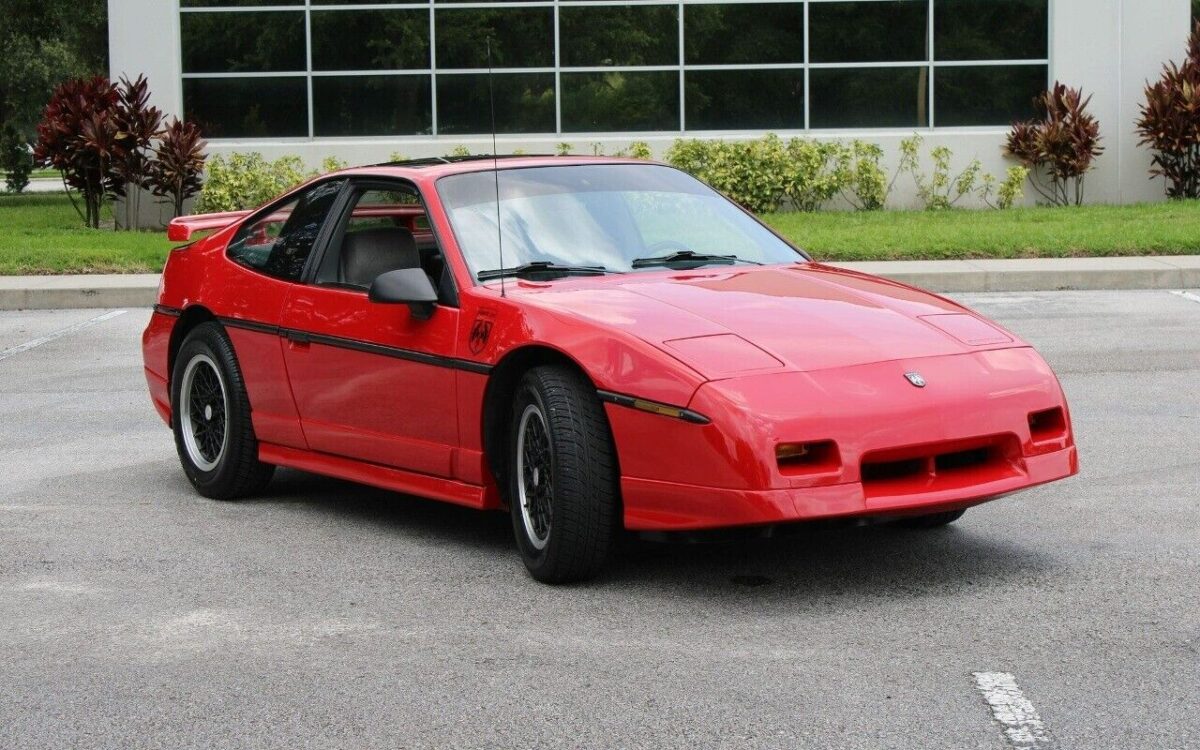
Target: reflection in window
(267,42)
(247,107)
(744,99)
(620,101)
(991,30)
(524,103)
(370,40)
(743,33)
(521,37)
(279,242)
(890,31)
(1010,93)
(372,105)
(619,35)
(869,97)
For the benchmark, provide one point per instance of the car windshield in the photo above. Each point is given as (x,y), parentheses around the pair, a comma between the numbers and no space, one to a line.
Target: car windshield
(614,217)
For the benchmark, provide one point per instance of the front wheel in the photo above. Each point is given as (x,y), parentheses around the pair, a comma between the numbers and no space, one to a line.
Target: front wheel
(563,492)
(211,421)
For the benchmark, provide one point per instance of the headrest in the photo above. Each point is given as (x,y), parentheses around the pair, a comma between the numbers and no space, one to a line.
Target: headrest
(368,253)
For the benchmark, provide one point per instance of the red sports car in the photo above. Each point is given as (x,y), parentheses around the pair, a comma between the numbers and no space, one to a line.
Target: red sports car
(595,344)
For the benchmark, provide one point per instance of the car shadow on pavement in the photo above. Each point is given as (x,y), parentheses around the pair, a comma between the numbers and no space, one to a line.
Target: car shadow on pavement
(801,560)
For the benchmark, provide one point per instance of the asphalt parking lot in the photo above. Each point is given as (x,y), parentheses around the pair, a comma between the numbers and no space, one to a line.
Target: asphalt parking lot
(134,614)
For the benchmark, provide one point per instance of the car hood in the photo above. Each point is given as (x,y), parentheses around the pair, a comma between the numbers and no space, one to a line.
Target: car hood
(803,317)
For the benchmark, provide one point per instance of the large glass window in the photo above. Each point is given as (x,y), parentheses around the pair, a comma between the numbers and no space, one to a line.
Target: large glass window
(297,68)
(372,105)
(743,33)
(370,40)
(619,35)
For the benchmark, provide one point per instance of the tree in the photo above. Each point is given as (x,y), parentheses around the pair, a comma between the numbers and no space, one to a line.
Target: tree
(46,42)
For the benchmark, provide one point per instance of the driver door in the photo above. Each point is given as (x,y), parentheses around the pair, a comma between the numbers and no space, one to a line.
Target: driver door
(373,381)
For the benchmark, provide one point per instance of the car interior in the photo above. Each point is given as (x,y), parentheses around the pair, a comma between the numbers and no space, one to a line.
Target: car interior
(384,234)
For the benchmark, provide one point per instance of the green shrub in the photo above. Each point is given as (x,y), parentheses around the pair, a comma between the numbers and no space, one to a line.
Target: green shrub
(459,150)
(244,181)
(942,190)
(765,173)
(332,164)
(640,150)
(864,183)
(815,172)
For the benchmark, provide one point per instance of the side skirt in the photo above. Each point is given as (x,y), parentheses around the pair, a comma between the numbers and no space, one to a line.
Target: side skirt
(384,477)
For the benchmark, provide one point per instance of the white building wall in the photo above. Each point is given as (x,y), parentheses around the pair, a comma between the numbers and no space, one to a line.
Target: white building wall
(1110,48)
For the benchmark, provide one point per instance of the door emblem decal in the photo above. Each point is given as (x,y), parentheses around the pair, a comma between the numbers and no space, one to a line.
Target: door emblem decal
(915,378)
(481,331)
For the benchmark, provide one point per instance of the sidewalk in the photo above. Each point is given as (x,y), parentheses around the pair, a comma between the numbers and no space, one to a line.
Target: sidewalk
(947,276)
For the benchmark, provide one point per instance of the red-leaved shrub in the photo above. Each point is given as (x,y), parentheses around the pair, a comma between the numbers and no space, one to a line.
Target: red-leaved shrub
(1059,146)
(1170,123)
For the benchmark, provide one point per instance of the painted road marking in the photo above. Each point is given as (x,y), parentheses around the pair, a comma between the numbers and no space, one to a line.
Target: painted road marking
(59,334)
(1023,728)
(1188,295)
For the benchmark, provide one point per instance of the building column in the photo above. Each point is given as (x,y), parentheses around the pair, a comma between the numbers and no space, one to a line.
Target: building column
(143,39)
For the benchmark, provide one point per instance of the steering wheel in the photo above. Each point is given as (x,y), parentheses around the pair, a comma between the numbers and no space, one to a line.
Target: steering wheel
(664,246)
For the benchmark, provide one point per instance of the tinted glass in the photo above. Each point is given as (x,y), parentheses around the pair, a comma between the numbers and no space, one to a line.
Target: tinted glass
(888,31)
(991,29)
(605,215)
(740,34)
(1010,92)
(619,35)
(614,102)
(370,40)
(372,105)
(736,99)
(280,242)
(521,38)
(247,107)
(243,42)
(524,103)
(869,97)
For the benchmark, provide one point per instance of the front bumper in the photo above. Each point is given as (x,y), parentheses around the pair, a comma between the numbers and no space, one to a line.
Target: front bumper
(969,436)
(668,506)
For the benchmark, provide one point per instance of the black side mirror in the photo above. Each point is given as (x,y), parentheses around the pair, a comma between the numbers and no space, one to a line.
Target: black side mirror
(409,286)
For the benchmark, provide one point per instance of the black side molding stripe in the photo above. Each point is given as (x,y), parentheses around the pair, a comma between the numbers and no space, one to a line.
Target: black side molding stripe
(435,360)
(250,325)
(654,407)
(174,312)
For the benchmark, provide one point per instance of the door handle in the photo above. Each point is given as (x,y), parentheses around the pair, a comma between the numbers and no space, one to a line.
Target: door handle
(298,338)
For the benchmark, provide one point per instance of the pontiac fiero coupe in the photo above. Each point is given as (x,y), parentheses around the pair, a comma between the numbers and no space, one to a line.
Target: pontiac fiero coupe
(595,344)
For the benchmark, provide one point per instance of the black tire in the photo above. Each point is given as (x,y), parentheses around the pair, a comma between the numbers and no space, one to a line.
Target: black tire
(220,455)
(581,506)
(931,521)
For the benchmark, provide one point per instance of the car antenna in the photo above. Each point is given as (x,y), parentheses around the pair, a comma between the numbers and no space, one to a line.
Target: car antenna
(495,163)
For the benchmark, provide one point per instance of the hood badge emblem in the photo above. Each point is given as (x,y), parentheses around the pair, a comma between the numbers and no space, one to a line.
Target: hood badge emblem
(915,378)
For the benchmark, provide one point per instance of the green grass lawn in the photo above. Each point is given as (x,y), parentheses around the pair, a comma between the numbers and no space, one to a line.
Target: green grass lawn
(42,234)
(1148,229)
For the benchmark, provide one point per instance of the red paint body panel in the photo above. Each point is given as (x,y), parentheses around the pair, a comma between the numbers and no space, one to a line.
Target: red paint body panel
(794,354)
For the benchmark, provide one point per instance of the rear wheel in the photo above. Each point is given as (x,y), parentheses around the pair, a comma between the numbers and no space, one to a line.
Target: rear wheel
(211,418)
(931,521)
(563,492)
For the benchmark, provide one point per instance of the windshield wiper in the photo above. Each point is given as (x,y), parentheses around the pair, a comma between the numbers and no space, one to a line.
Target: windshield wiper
(540,269)
(689,259)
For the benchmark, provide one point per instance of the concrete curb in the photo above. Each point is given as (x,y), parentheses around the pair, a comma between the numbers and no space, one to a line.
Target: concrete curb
(946,276)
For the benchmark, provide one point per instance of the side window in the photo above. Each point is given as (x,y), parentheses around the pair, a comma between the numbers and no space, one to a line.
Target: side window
(279,243)
(385,229)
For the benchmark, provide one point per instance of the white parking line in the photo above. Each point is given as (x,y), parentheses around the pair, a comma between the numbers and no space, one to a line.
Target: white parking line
(1023,728)
(1188,295)
(59,334)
